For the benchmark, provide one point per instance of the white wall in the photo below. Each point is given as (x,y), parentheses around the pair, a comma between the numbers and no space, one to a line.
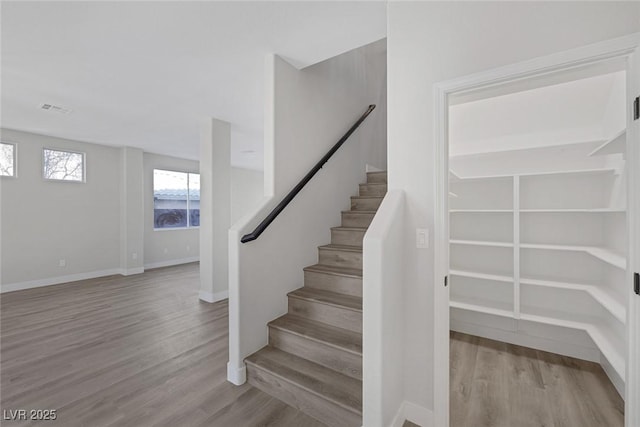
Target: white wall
(45,221)
(166,247)
(429,42)
(247,190)
(307,111)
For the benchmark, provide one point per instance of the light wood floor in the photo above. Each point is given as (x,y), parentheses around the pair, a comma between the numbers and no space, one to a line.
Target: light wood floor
(144,351)
(495,384)
(135,351)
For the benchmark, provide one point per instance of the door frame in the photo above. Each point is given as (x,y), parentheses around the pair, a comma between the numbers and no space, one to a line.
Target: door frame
(628,48)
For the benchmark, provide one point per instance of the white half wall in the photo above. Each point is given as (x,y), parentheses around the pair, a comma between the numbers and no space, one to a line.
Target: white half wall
(306,112)
(431,42)
(167,246)
(383,321)
(44,222)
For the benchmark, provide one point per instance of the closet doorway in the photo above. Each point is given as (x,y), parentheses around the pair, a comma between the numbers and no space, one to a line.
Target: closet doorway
(538,243)
(537,234)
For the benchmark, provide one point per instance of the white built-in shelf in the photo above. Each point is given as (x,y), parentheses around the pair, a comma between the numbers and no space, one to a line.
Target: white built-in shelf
(484,276)
(482,243)
(481,210)
(480,307)
(616,145)
(600,335)
(601,253)
(453,176)
(606,170)
(600,295)
(578,210)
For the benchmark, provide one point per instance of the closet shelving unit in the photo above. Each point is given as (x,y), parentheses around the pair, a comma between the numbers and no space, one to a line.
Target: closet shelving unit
(538,259)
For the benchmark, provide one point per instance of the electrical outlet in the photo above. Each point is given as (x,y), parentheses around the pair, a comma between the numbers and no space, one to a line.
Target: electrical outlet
(188,248)
(134,256)
(62,262)
(166,251)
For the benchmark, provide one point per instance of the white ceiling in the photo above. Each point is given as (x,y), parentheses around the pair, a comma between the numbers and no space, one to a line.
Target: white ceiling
(145,74)
(584,110)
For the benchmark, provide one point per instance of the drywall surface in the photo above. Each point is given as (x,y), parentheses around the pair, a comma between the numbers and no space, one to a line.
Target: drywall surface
(307,111)
(430,42)
(215,209)
(132,198)
(247,191)
(383,325)
(532,160)
(44,222)
(167,246)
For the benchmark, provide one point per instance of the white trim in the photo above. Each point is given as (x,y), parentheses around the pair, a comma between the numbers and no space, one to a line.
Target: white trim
(213,297)
(570,59)
(236,375)
(170,262)
(417,414)
(49,281)
(131,271)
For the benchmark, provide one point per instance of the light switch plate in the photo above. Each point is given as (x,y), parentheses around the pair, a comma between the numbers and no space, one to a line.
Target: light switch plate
(422,238)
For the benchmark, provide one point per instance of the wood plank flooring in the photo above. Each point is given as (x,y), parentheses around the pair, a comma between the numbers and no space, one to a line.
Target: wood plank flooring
(134,351)
(144,351)
(495,384)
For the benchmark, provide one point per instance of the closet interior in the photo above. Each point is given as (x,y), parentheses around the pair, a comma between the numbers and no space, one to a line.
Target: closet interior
(538,231)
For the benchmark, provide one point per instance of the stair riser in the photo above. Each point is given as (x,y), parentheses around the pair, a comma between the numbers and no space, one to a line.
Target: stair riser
(347,237)
(340,258)
(331,282)
(378,190)
(367,204)
(376,177)
(311,404)
(339,360)
(356,220)
(329,314)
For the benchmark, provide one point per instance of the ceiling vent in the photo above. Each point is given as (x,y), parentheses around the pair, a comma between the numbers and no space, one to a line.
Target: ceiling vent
(55,108)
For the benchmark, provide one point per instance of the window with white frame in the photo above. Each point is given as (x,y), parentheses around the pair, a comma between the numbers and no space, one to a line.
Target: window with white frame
(176,199)
(59,165)
(7,159)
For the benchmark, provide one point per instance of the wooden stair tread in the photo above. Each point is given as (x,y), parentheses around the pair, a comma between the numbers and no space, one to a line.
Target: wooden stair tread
(323,382)
(338,271)
(360,212)
(327,297)
(367,197)
(349,228)
(339,338)
(347,248)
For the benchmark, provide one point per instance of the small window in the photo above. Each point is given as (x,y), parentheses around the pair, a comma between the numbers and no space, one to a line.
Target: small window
(63,165)
(176,199)
(7,159)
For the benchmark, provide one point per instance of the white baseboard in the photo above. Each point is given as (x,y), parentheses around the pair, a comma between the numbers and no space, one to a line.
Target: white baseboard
(131,271)
(236,375)
(213,297)
(170,262)
(19,286)
(616,380)
(417,414)
(557,346)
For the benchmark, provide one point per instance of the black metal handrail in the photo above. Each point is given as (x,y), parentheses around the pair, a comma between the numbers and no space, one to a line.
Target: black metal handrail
(292,194)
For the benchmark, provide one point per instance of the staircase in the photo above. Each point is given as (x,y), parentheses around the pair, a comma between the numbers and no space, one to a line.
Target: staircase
(314,358)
